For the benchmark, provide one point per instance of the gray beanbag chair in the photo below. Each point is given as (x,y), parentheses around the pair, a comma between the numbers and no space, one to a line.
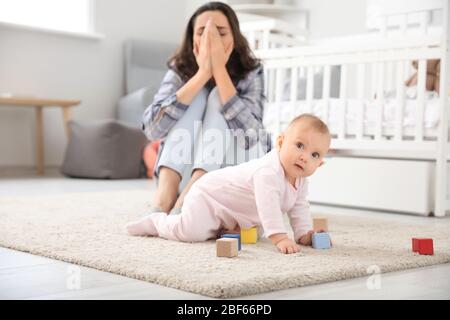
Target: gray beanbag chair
(106,149)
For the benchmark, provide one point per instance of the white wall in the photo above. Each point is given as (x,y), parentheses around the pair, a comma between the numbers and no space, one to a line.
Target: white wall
(192,5)
(328,18)
(331,18)
(55,66)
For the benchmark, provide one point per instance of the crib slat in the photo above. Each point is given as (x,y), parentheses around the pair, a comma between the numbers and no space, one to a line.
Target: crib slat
(380,102)
(389,79)
(326,93)
(421,79)
(272,85)
(400,99)
(302,72)
(278,95)
(343,99)
(373,79)
(361,88)
(294,91)
(266,39)
(266,83)
(251,38)
(279,85)
(309,89)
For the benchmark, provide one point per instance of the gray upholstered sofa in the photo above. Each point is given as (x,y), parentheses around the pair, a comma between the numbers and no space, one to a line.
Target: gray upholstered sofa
(145,67)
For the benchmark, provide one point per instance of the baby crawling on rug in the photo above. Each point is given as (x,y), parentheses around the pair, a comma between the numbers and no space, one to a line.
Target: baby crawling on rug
(255,193)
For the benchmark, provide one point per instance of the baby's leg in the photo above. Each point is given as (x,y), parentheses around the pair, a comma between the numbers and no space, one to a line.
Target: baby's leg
(197,221)
(143,226)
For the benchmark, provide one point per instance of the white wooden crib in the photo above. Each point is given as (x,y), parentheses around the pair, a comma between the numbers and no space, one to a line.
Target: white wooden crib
(362,117)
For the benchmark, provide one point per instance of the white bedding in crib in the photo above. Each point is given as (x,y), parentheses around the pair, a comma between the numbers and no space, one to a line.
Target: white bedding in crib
(289,110)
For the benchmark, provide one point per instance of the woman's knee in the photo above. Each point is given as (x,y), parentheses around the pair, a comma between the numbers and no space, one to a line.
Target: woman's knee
(214,117)
(194,112)
(197,173)
(184,130)
(213,101)
(201,98)
(169,176)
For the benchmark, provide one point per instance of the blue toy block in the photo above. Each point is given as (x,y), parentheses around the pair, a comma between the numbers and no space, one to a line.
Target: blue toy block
(233,235)
(321,240)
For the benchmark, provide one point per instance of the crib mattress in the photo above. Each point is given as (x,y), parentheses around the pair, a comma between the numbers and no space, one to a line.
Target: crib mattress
(288,110)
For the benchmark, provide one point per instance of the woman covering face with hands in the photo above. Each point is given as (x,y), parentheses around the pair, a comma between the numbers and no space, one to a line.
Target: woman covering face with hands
(208,110)
(213,48)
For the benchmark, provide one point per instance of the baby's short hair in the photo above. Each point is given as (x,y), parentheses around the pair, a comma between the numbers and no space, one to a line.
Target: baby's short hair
(313,121)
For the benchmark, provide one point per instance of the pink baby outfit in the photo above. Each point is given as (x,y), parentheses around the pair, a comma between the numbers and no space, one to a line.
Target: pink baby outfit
(255,193)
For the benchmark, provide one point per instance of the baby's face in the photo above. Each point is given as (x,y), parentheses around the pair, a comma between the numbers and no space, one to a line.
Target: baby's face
(302,149)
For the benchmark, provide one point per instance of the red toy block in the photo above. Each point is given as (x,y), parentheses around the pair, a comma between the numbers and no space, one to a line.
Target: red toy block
(415,245)
(423,245)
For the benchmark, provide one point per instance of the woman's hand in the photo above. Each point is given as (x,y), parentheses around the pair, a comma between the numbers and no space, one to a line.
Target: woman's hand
(287,246)
(219,54)
(202,53)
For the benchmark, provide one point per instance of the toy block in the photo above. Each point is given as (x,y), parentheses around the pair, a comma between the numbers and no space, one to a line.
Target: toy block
(321,240)
(227,247)
(423,246)
(234,235)
(320,224)
(249,235)
(415,245)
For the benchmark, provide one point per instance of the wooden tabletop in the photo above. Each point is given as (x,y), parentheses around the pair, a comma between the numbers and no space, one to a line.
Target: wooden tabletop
(33,101)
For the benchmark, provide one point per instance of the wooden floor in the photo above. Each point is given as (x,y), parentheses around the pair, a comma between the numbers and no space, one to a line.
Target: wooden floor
(26,276)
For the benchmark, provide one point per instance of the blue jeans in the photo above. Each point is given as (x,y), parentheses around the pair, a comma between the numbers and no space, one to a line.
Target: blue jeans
(201,139)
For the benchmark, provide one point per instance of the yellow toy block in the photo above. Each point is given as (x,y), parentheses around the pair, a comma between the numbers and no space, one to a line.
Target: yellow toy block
(249,235)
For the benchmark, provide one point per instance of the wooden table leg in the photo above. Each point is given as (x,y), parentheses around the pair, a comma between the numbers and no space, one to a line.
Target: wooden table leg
(39,140)
(66,111)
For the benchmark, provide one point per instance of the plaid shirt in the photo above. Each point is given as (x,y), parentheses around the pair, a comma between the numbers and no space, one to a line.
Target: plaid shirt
(242,111)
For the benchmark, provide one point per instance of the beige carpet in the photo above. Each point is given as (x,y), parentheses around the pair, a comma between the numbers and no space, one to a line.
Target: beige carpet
(88,229)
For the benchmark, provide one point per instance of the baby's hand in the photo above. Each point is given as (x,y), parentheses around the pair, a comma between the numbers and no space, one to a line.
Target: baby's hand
(288,246)
(306,239)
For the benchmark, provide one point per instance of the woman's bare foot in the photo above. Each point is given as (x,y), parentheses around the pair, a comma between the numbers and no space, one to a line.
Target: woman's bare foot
(167,191)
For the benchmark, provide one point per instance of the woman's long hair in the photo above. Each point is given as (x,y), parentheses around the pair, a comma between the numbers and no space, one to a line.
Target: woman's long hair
(241,60)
